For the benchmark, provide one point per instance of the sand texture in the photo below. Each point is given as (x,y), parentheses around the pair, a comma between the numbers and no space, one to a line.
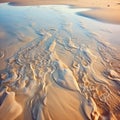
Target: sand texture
(57,65)
(106,10)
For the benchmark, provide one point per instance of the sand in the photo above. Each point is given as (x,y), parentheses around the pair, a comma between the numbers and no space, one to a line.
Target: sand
(56,63)
(106,10)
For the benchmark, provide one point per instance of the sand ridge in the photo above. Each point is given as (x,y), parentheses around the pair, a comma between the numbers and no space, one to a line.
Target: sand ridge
(44,79)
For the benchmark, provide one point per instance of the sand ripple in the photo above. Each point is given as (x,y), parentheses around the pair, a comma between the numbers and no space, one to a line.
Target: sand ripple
(38,67)
(61,78)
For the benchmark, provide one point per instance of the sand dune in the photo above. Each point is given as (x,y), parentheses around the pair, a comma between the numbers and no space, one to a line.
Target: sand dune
(60,66)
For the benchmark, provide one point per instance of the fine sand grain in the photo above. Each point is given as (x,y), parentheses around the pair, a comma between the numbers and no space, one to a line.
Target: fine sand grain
(56,64)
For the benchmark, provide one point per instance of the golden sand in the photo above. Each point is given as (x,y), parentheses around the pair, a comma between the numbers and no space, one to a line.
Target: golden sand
(70,71)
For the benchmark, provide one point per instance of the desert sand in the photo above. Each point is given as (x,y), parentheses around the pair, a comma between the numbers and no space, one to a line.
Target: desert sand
(59,60)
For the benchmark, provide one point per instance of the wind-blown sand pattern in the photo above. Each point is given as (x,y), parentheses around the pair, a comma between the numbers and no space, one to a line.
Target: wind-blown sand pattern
(68,69)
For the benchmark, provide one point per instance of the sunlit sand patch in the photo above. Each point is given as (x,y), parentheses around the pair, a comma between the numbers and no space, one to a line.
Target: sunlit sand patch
(9,108)
(64,72)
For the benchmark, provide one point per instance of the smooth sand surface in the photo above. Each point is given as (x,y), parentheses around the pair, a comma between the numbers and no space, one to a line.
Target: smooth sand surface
(56,64)
(106,10)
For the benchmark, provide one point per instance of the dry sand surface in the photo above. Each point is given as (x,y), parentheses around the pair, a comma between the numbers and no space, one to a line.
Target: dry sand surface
(56,63)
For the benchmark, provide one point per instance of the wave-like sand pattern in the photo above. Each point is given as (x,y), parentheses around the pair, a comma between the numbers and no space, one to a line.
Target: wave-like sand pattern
(59,77)
(38,68)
